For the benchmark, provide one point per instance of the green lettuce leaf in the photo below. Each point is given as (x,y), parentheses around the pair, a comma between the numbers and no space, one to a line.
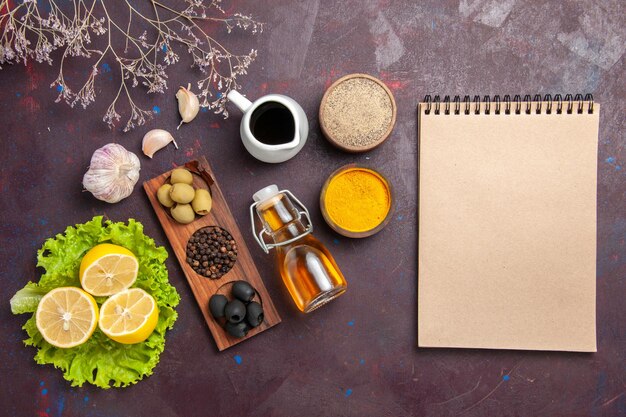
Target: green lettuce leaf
(100,361)
(27,299)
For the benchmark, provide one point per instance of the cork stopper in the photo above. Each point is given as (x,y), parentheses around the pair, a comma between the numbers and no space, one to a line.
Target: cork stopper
(357,113)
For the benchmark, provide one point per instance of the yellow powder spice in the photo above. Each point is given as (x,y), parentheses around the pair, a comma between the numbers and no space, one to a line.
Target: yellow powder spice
(357,200)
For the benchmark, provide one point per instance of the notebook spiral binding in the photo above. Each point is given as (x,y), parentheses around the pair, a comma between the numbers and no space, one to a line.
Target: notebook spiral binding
(506,105)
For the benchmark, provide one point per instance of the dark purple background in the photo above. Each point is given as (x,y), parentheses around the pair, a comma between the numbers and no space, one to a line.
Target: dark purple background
(356,356)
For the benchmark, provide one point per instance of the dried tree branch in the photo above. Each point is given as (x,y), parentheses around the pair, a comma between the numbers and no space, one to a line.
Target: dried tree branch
(142,58)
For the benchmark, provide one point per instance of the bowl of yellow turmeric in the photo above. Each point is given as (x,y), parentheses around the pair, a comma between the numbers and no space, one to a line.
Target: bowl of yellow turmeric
(356,201)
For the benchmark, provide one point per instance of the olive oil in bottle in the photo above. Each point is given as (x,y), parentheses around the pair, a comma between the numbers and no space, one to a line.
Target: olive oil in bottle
(307,268)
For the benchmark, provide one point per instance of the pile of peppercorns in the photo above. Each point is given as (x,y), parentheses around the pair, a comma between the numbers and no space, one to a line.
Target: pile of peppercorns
(211,252)
(241,313)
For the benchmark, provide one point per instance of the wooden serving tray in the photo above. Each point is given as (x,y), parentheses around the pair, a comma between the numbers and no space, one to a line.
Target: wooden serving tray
(203,288)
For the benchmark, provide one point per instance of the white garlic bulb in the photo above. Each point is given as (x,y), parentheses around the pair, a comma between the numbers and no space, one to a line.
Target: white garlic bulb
(113,173)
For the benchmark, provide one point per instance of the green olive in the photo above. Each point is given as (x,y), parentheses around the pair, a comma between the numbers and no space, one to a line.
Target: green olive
(202,202)
(181,175)
(163,195)
(183,213)
(182,193)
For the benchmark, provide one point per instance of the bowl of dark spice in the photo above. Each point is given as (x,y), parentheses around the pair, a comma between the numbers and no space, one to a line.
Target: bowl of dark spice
(357,113)
(211,252)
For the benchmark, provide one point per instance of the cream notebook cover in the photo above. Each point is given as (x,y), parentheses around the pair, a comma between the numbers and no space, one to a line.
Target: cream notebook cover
(507,224)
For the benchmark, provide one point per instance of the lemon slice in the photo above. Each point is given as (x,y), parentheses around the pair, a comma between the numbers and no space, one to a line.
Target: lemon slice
(129,316)
(66,317)
(108,269)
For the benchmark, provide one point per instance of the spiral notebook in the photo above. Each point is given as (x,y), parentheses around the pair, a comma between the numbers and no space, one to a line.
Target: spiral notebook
(507,223)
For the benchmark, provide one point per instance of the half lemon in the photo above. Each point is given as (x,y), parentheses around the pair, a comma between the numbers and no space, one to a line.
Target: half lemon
(66,317)
(108,269)
(129,316)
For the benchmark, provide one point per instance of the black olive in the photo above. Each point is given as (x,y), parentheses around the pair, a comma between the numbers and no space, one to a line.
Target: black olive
(235,311)
(254,315)
(217,302)
(238,330)
(243,291)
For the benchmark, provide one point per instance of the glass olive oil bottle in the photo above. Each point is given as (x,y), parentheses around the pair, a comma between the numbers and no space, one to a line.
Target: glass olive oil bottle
(307,268)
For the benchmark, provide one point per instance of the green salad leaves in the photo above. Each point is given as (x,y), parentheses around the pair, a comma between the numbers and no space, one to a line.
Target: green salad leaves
(100,361)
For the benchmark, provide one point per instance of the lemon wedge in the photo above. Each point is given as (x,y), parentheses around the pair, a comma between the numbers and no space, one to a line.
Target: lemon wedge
(129,316)
(66,317)
(108,269)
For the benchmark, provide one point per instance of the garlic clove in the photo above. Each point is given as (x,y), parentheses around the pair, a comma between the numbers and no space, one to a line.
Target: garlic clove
(188,104)
(155,140)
